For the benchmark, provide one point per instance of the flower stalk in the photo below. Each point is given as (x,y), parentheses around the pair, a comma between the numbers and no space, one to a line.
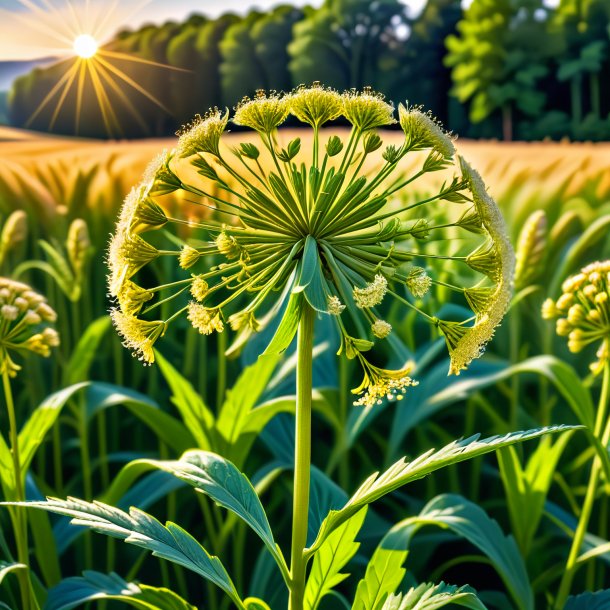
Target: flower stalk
(302,458)
(601,431)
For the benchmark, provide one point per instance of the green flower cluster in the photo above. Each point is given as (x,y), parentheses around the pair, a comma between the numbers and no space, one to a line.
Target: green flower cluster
(322,228)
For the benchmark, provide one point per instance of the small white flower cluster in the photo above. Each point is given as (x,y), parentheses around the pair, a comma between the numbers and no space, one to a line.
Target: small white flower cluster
(372,294)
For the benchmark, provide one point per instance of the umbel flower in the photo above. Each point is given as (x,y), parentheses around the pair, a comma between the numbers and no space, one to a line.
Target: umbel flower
(25,324)
(275,226)
(583,312)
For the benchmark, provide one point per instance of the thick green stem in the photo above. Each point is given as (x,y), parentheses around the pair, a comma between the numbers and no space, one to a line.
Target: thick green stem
(302,459)
(594,478)
(18,516)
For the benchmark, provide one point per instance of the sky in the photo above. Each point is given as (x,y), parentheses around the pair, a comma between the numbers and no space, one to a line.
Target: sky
(31,29)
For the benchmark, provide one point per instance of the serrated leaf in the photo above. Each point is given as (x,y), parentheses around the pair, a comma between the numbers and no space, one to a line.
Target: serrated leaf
(600,600)
(429,596)
(333,555)
(167,541)
(471,522)
(403,472)
(94,586)
(219,479)
(383,576)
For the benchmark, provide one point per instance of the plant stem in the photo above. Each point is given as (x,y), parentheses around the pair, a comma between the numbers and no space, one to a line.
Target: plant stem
(19,517)
(585,515)
(302,458)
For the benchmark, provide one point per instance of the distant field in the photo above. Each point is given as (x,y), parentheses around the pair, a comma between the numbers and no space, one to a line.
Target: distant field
(45,170)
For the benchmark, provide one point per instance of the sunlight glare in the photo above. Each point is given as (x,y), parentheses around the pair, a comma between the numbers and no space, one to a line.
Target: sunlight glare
(85,46)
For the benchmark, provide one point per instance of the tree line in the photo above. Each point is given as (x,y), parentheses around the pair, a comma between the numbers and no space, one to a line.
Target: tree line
(511,69)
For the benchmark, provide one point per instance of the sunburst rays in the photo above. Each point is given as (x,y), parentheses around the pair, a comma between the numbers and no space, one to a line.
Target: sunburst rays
(78,31)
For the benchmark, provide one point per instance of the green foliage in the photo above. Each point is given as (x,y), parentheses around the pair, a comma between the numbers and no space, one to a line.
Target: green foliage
(430,596)
(472,523)
(332,556)
(169,542)
(94,586)
(403,472)
(384,574)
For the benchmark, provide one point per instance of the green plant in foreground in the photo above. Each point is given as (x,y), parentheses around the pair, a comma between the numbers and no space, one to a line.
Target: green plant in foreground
(25,319)
(583,315)
(304,235)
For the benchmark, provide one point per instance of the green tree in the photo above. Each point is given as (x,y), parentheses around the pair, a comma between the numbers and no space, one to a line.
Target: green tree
(271,36)
(241,72)
(497,58)
(208,49)
(182,53)
(583,28)
(351,43)
(426,79)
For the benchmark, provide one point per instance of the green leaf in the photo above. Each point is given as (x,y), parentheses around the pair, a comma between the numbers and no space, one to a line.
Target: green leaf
(334,554)
(171,431)
(167,541)
(40,422)
(257,419)
(403,472)
(288,326)
(196,416)
(527,489)
(471,522)
(307,265)
(94,586)
(253,603)
(7,567)
(560,374)
(85,351)
(383,576)
(600,600)
(241,398)
(219,479)
(429,597)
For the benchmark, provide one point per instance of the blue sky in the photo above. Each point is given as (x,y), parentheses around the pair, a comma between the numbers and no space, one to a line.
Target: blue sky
(31,29)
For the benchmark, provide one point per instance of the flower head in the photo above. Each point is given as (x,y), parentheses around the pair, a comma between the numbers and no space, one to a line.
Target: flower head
(25,317)
(267,228)
(367,110)
(138,335)
(422,131)
(372,294)
(264,113)
(381,384)
(202,135)
(583,311)
(315,105)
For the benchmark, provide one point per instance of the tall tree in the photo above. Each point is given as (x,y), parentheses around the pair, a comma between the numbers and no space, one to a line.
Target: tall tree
(241,72)
(187,86)
(583,26)
(426,79)
(351,43)
(497,58)
(271,36)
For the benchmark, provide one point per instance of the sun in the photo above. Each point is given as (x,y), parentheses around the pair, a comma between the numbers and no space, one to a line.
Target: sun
(85,46)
